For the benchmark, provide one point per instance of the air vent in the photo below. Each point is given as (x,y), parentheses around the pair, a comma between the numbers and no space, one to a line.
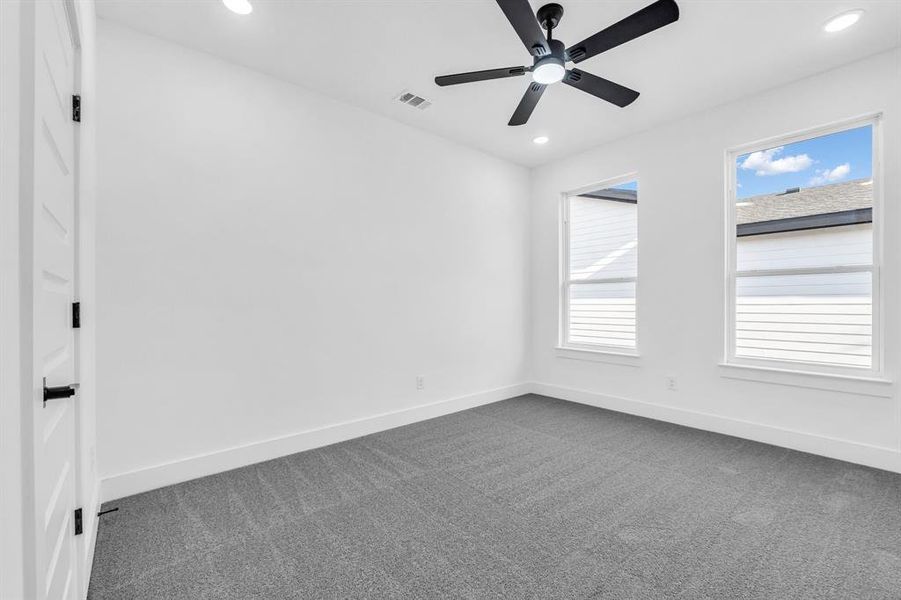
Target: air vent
(413,100)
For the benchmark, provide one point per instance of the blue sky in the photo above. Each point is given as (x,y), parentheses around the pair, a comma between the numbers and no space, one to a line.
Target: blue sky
(630,185)
(820,161)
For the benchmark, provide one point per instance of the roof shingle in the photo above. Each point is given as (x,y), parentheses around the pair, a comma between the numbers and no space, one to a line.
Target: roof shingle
(832,198)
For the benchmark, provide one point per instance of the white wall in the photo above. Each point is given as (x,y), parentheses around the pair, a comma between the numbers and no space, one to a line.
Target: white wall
(271,262)
(257,240)
(681,277)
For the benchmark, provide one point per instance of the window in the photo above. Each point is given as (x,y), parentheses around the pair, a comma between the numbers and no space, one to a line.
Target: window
(600,267)
(803,270)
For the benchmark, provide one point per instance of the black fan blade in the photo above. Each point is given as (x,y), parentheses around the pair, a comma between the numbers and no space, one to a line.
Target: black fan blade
(600,87)
(649,18)
(479,75)
(520,15)
(527,104)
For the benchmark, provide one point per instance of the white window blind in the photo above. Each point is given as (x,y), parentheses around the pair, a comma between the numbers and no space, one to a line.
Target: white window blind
(804,273)
(602,269)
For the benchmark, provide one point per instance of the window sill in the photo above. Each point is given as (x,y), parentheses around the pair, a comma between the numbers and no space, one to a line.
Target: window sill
(615,357)
(849,384)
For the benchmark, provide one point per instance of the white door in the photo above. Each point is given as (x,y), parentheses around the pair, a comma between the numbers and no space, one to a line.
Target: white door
(54,268)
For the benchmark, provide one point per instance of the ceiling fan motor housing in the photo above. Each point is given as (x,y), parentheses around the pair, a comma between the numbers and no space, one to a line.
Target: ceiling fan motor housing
(558,49)
(550,67)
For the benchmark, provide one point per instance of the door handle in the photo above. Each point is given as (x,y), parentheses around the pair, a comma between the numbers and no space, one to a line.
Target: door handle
(62,391)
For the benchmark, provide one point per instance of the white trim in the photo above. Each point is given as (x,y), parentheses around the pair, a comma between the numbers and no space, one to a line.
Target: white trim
(880,457)
(563,280)
(87,482)
(834,270)
(607,280)
(800,135)
(14,564)
(594,354)
(156,476)
(141,480)
(92,527)
(823,370)
(833,382)
(731,272)
(603,183)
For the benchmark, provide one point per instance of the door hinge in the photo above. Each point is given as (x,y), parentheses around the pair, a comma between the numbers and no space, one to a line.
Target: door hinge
(76,315)
(79,527)
(76,108)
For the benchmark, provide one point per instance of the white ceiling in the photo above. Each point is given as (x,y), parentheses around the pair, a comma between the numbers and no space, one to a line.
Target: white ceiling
(366,51)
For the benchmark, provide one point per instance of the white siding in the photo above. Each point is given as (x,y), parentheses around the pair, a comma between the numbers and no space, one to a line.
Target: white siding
(845,245)
(602,314)
(603,245)
(820,317)
(603,239)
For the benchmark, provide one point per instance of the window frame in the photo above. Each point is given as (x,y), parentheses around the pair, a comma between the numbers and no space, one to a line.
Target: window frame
(876,368)
(564,282)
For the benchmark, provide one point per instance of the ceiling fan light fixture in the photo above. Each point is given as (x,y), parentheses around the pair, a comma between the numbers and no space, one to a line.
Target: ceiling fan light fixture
(550,55)
(548,71)
(843,21)
(541,139)
(241,7)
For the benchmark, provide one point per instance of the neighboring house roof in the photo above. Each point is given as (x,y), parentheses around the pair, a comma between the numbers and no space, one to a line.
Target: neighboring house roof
(846,203)
(832,198)
(617,195)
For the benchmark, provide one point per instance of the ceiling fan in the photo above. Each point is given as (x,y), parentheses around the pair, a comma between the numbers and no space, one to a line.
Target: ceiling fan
(549,56)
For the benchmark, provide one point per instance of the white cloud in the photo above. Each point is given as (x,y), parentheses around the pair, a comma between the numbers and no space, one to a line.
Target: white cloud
(829,175)
(767,162)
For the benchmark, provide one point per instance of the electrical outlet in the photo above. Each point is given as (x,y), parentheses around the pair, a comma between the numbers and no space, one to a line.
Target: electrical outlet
(671,383)
(420,382)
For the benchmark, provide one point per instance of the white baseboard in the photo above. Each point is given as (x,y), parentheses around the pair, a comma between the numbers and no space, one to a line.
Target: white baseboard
(879,457)
(142,480)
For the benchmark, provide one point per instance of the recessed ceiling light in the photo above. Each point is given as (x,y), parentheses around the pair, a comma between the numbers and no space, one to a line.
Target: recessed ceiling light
(843,21)
(242,7)
(541,139)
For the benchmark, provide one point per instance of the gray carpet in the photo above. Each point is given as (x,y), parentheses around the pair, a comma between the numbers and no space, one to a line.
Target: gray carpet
(527,498)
